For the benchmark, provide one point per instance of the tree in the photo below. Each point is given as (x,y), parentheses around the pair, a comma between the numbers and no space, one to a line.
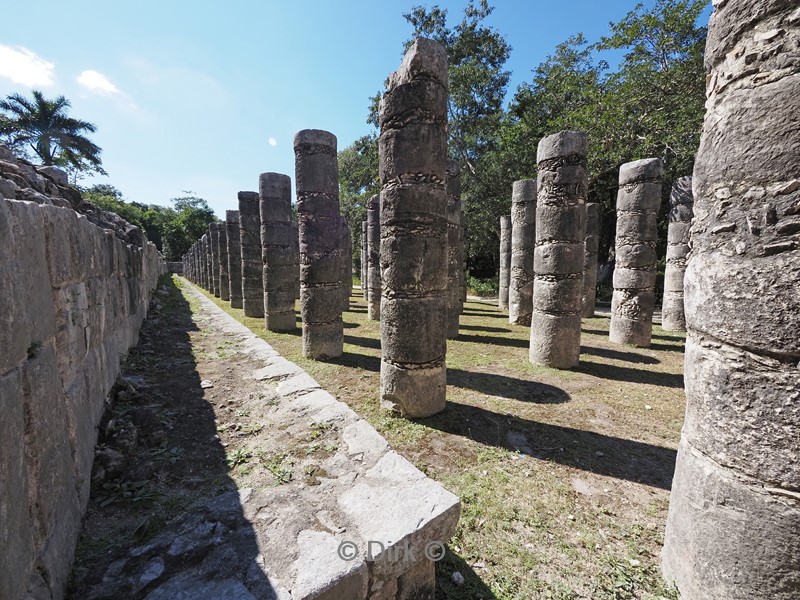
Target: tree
(192,216)
(42,126)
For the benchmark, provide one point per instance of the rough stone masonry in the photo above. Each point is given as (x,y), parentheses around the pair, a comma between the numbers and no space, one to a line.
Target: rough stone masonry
(275,207)
(234,257)
(562,183)
(678,230)
(523,242)
(592,244)
(638,201)
(252,265)
(317,181)
(454,272)
(222,243)
(733,529)
(413,157)
(75,285)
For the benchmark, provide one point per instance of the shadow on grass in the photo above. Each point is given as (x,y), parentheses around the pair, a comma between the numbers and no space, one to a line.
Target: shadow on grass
(358,361)
(504,386)
(473,586)
(619,355)
(486,329)
(594,452)
(618,373)
(493,340)
(484,314)
(364,342)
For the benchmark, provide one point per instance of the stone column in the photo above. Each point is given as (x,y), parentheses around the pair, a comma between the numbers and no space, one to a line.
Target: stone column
(224,284)
(592,244)
(563,183)
(364,259)
(454,273)
(252,266)
(209,268)
(733,529)
(638,200)
(464,254)
(346,245)
(413,252)
(505,261)
(213,240)
(523,242)
(374,258)
(234,257)
(296,251)
(680,220)
(317,180)
(275,206)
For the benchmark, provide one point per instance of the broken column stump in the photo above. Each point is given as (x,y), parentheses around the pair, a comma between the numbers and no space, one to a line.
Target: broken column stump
(317,181)
(413,216)
(632,303)
(563,183)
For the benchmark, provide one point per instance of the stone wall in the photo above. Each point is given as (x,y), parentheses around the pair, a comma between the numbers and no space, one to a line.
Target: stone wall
(75,285)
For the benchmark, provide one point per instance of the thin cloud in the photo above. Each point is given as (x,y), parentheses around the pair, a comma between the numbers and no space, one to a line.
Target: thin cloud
(97,83)
(272,142)
(25,67)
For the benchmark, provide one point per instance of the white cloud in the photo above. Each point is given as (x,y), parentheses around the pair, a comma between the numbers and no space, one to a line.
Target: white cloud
(272,142)
(24,67)
(97,83)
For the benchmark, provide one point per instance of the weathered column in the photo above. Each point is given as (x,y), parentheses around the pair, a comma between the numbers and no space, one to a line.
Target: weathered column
(234,257)
(454,273)
(296,251)
(464,254)
(505,261)
(346,245)
(638,200)
(413,252)
(224,284)
(680,221)
(213,240)
(523,242)
(209,263)
(592,244)
(563,182)
(364,259)
(252,266)
(317,181)
(374,258)
(275,206)
(733,529)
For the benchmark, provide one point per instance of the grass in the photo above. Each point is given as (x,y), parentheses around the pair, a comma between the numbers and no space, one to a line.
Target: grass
(563,475)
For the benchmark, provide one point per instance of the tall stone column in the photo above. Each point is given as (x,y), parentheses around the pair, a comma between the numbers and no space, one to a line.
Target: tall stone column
(413,252)
(638,200)
(592,245)
(523,242)
(374,258)
(346,245)
(454,273)
(680,221)
(505,261)
(250,244)
(234,257)
(209,264)
(317,180)
(296,251)
(563,183)
(464,255)
(733,529)
(275,206)
(222,241)
(213,240)
(364,259)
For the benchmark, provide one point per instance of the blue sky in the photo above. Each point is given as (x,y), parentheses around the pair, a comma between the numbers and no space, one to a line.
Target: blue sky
(203,96)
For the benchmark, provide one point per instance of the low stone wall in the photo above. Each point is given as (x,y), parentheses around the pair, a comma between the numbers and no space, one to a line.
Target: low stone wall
(74,289)
(175,267)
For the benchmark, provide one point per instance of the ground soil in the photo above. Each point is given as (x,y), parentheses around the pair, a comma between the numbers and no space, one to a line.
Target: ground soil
(564,476)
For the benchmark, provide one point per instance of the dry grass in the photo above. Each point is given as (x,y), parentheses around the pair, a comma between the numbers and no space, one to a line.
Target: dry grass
(563,475)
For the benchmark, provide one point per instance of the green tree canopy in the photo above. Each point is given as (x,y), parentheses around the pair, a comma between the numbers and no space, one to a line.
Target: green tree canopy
(41,128)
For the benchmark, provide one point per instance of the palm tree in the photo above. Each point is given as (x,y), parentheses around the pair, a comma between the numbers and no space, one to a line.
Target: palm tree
(42,125)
